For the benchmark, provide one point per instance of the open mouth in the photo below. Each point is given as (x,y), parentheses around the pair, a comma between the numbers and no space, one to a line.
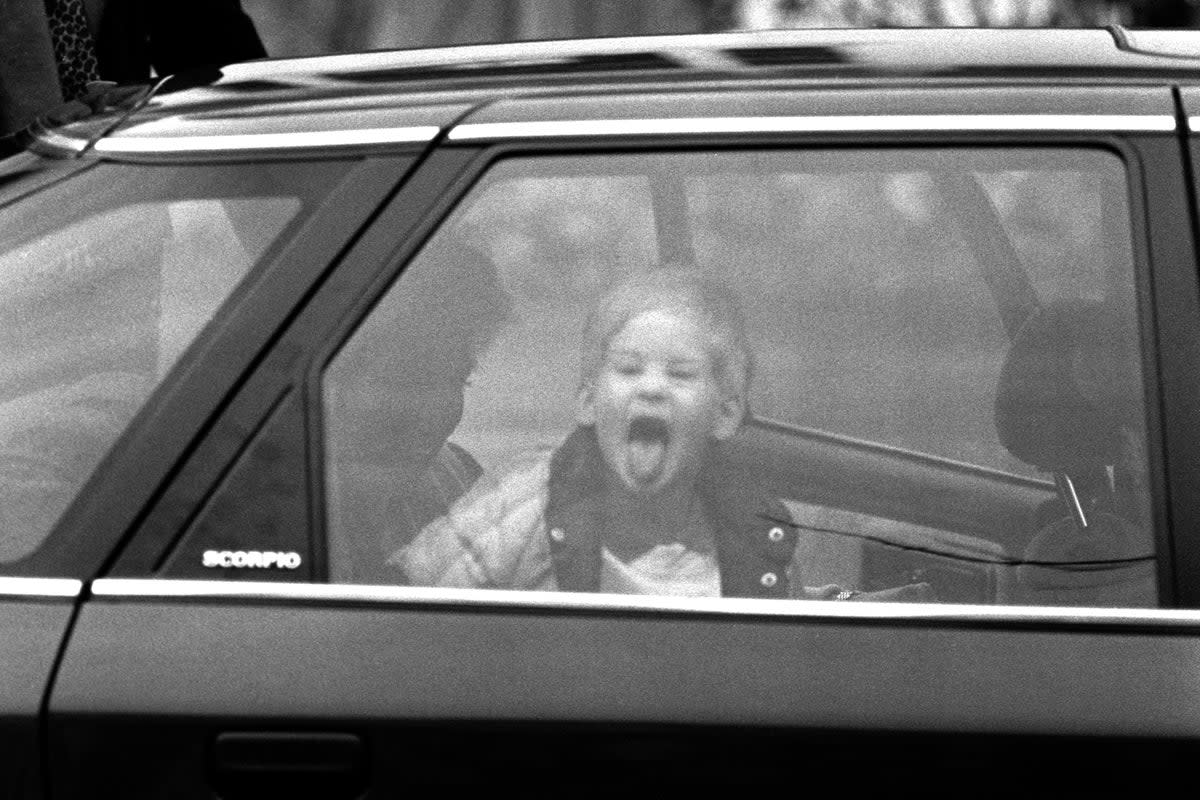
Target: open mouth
(646,447)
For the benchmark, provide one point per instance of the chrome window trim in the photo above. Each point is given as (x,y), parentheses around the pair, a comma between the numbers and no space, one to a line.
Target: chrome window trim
(890,123)
(165,589)
(295,140)
(864,45)
(58,142)
(40,587)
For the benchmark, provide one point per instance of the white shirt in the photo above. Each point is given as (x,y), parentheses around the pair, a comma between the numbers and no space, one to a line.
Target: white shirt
(665,569)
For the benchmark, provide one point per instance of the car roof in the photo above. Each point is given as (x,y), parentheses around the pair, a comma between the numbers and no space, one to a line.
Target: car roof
(413,94)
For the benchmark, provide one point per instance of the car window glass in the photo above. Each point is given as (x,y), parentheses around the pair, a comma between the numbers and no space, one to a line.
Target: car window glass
(105,279)
(907,374)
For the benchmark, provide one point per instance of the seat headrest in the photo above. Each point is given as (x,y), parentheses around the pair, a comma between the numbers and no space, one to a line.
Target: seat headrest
(1070,383)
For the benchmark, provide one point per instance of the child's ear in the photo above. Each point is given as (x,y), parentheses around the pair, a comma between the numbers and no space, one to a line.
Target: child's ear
(729,418)
(585,405)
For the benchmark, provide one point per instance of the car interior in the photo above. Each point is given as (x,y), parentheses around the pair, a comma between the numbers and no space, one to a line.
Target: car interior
(1056,515)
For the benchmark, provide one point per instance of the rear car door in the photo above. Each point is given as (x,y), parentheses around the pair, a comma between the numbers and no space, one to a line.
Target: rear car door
(255,635)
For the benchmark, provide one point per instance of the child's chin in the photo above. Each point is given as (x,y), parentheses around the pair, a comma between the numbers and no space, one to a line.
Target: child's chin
(645,484)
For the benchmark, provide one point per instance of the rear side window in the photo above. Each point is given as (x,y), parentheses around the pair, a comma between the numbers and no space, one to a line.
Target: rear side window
(909,375)
(105,279)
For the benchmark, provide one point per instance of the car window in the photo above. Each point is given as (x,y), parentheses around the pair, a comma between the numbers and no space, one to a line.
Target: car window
(903,374)
(105,279)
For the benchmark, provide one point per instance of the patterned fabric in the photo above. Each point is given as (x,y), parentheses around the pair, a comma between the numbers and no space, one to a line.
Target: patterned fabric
(74,49)
(493,537)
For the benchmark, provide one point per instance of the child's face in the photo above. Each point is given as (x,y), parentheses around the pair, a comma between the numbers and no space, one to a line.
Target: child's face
(656,402)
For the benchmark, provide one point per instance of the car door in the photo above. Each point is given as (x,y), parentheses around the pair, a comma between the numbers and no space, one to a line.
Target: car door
(104,295)
(204,663)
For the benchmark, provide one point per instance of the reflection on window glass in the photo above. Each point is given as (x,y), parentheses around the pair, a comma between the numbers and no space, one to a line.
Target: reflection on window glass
(903,375)
(105,280)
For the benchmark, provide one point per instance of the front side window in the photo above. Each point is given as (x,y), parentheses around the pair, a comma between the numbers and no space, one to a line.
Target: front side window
(906,374)
(105,279)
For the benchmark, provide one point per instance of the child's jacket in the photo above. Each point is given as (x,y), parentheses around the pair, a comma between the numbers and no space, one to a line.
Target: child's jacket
(538,526)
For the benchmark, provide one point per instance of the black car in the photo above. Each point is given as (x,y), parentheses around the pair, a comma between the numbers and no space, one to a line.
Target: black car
(806,408)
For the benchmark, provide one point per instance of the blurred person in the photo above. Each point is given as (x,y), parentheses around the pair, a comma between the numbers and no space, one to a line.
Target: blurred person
(51,50)
(396,394)
(638,499)
(137,37)
(29,83)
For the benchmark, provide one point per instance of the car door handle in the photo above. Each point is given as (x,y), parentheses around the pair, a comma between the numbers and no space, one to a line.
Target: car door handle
(292,763)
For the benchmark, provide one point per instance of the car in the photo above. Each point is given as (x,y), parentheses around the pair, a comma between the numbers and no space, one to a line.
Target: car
(296,352)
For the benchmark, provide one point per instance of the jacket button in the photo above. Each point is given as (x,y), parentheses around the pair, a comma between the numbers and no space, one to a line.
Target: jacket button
(775,534)
(769,579)
(557,534)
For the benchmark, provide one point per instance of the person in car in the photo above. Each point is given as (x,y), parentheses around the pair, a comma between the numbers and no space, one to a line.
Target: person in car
(640,497)
(397,396)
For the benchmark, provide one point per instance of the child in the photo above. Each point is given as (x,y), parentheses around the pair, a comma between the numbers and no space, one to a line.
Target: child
(638,499)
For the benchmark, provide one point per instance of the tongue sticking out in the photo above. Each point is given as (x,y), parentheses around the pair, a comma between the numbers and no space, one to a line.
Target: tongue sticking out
(646,449)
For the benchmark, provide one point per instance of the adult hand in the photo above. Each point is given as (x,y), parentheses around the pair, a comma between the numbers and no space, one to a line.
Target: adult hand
(909,593)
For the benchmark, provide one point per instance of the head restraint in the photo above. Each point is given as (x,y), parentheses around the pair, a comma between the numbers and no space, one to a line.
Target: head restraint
(1069,384)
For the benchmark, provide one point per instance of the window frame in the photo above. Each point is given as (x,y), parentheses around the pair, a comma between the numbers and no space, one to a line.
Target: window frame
(113,501)
(1131,148)
(273,334)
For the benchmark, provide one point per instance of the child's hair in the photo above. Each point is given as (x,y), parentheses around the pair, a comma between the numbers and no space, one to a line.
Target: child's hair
(686,293)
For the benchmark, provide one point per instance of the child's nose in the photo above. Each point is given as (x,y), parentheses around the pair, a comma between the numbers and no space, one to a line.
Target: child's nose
(653,383)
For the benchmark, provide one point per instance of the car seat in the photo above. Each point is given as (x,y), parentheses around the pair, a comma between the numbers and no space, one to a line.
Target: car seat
(1069,401)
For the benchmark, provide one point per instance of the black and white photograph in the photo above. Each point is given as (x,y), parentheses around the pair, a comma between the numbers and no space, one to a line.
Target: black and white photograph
(560,397)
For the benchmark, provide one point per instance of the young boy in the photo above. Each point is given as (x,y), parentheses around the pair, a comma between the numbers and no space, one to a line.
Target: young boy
(638,498)
(634,500)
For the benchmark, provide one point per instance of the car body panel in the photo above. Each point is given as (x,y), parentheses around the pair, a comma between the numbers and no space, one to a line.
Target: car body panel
(402,667)
(398,660)
(33,625)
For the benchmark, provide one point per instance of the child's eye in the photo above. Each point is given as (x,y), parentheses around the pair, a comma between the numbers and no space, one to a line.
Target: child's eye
(625,366)
(684,373)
